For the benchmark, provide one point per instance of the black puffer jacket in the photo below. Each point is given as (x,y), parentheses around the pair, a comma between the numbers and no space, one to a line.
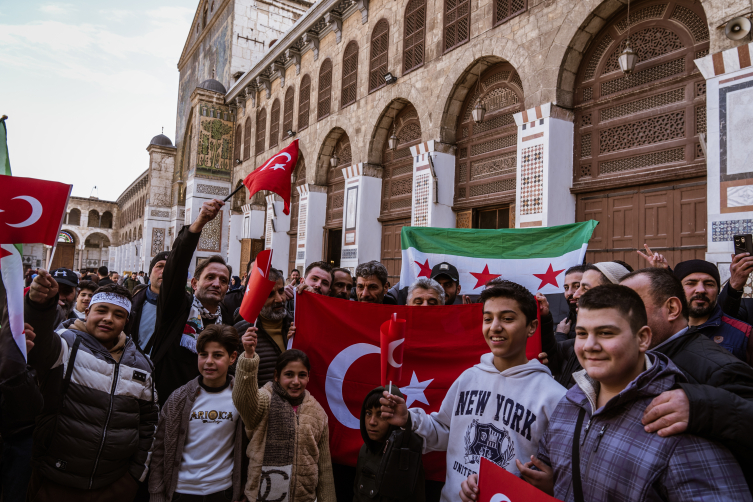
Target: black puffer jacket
(267,349)
(101,425)
(720,391)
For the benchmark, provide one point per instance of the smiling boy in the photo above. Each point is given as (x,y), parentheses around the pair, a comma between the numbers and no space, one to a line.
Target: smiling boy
(498,409)
(596,447)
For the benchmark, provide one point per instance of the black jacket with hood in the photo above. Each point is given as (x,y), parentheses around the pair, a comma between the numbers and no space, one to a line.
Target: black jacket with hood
(365,488)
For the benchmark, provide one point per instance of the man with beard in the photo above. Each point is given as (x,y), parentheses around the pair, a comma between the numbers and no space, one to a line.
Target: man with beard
(566,327)
(273,328)
(342,283)
(181,316)
(700,280)
(68,282)
(295,277)
(371,282)
(447,276)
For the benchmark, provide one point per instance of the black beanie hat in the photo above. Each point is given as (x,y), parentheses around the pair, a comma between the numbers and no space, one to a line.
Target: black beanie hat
(157,258)
(685,268)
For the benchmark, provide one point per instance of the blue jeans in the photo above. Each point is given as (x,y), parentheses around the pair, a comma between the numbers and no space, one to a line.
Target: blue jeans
(15,466)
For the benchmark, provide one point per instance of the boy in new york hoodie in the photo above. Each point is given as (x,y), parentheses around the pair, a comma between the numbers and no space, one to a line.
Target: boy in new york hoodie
(498,409)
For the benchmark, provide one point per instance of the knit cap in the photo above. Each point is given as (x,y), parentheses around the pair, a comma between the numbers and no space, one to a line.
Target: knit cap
(685,268)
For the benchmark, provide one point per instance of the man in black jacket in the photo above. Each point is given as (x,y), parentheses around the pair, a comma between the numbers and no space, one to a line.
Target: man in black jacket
(731,298)
(143,318)
(273,328)
(717,401)
(181,316)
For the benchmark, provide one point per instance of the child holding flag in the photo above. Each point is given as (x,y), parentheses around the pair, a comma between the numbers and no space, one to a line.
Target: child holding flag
(498,409)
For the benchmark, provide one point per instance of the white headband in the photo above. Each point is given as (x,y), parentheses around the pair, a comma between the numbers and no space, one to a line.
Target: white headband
(112,298)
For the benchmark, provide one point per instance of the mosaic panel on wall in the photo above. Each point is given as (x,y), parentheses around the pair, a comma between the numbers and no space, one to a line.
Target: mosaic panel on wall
(158,240)
(211,235)
(532,180)
(215,141)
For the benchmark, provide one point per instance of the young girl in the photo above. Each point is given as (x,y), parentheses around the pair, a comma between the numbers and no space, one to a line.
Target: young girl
(289,449)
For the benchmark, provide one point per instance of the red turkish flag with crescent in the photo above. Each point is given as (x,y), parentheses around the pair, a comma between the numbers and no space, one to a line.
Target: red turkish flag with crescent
(275,174)
(342,340)
(392,346)
(258,288)
(31,210)
(495,484)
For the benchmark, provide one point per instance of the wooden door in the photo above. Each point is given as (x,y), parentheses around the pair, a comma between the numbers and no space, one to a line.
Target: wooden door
(64,253)
(392,253)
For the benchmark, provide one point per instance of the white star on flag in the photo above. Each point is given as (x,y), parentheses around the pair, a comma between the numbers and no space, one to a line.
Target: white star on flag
(415,391)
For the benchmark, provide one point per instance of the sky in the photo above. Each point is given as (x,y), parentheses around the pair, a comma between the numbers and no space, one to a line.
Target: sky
(87,84)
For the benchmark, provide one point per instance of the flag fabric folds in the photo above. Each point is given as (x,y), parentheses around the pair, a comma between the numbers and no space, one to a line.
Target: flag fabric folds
(392,345)
(258,288)
(533,257)
(275,174)
(342,340)
(495,484)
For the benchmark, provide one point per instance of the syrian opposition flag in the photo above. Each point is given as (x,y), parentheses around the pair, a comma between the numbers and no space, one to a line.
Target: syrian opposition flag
(533,257)
(495,484)
(342,340)
(275,174)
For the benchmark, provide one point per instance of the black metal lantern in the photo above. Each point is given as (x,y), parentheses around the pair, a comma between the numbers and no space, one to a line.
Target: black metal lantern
(333,161)
(392,141)
(478,112)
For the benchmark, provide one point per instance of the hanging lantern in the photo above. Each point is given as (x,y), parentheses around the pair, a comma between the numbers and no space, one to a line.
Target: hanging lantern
(333,161)
(627,59)
(392,141)
(478,112)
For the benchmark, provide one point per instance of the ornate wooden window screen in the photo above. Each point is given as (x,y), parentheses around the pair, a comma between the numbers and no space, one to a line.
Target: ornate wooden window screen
(304,97)
(238,142)
(336,182)
(287,121)
(247,139)
(324,104)
(274,124)
(261,130)
(397,179)
(380,39)
(457,23)
(415,35)
(486,160)
(299,178)
(504,10)
(350,75)
(618,130)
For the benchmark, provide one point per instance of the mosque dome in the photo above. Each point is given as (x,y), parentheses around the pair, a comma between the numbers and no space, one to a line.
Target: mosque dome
(213,85)
(161,140)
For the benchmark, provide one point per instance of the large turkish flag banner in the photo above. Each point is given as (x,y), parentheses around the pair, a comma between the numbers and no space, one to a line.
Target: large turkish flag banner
(341,339)
(495,484)
(275,174)
(31,210)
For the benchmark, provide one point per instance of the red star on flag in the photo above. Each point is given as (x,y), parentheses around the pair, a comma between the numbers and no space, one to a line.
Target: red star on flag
(483,277)
(549,277)
(425,269)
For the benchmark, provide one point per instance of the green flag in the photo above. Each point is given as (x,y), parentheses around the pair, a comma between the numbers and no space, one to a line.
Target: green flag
(4,159)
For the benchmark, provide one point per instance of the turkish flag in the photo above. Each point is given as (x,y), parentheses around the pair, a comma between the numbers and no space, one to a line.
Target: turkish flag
(497,485)
(258,288)
(533,344)
(391,344)
(275,174)
(32,210)
(342,340)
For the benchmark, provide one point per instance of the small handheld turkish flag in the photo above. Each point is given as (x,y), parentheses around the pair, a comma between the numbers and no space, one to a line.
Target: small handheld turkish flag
(32,210)
(258,288)
(274,175)
(497,485)
(533,345)
(391,338)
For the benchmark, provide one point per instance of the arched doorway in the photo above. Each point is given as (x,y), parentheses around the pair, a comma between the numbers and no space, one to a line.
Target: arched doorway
(638,164)
(397,187)
(299,178)
(96,251)
(335,194)
(486,158)
(65,250)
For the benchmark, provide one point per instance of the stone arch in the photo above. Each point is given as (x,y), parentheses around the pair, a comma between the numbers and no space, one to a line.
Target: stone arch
(93,219)
(94,239)
(383,129)
(397,177)
(322,166)
(106,220)
(336,145)
(74,217)
(140,232)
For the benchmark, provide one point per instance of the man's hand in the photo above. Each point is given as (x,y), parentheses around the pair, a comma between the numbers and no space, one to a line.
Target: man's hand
(209,211)
(740,269)
(249,340)
(394,409)
(291,331)
(654,260)
(466,300)
(289,292)
(543,478)
(30,336)
(564,326)
(668,413)
(469,489)
(543,303)
(543,358)
(44,288)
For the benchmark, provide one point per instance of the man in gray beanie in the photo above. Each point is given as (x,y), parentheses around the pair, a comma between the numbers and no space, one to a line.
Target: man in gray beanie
(700,280)
(144,310)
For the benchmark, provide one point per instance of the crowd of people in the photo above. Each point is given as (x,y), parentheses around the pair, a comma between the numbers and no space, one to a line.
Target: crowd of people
(146,389)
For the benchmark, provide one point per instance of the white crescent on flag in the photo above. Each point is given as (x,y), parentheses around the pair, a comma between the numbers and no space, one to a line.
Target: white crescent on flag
(277,166)
(36,212)
(333,386)
(391,352)
(500,498)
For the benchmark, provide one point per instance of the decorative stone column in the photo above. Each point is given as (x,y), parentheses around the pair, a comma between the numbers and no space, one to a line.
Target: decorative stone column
(276,236)
(728,150)
(362,232)
(212,241)
(80,256)
(545,167)
(433,185)
(312,213)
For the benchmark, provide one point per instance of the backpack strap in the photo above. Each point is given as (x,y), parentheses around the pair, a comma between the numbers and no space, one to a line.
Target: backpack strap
(577,482)
(69,369)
